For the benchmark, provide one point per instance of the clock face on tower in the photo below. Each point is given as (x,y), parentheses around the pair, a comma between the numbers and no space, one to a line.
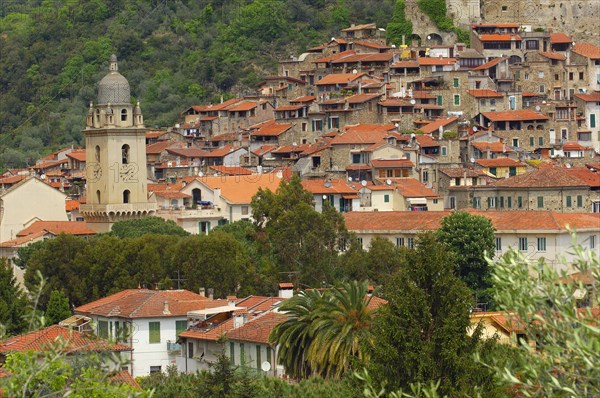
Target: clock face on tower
(93,172)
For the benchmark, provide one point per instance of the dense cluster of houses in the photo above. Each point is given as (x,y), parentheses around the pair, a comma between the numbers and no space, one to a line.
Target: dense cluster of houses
(394,137)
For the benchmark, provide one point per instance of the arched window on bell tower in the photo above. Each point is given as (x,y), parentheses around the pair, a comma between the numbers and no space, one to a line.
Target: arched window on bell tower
(123,115)
(98,196)
(97,119)
(126,196)
(125,154)
(97,154)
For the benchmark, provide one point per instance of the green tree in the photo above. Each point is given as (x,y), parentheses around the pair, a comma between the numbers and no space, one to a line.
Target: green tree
(146,225)
(58,308)
(12,301)
(470,237)
(421,334)
(558,315)
(399,26)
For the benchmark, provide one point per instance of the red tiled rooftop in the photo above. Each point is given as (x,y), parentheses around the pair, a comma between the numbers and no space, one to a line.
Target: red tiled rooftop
(426,61)
(391,163)
(306,98)
(587,50)
(436,124)
(485,93)
(493,147)
(589,97)
(551,178)
(499,162)
(242,106)
(517,115)
(257,330)
(339,78)
(274,129)
(499,37)
(361,98)
(489,64)
(231,170)
(333,57)
(412,188)
(560,38)
(553,55)
(58,227)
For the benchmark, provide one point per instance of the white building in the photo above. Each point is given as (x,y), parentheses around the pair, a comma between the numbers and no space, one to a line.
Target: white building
(148,321)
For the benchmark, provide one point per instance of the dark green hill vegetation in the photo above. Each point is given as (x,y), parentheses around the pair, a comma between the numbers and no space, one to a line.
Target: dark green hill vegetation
(174,54)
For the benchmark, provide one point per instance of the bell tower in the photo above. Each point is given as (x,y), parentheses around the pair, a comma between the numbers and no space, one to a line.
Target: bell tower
(115,152)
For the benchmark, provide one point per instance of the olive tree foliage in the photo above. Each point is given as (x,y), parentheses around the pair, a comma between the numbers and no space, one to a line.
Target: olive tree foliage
(560,355)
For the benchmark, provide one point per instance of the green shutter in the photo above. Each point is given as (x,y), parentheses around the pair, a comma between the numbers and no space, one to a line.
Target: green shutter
(456,82)
(242,355)
(439,100)
(386,198)
(232,353)
(569,203)
(531,141)
(519,202)
(258,358)
(180,326)
(540,202)
(579,201)
(540,141)
(103,329)
(154,332)
(509,202)
(592,120)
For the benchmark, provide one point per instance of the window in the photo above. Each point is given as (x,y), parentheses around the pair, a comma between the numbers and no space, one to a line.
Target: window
(542,89)
(334,122)
(569,202)
(527,75)
(304,124)
(515,142)
(541,244)
(155,369)
(592,120)
(452,202)
(531,141)
(386,198)
(435,201)
(126,194)
(502,202)
(444,151)
(592,241)
(519,202)
(492,203)
(204,227)
(556,76)
(498,244)
(541,75)
(456,99)
(492,102)
(258,359)
(269,354)
(493,171)
(425,176)
(123,115)
(540,202)
(190,350)
(180,326)
(242,355)
(477,202)
(356,158)
(97,153)
(410,243)
(125,154)
(571,75)
(440,100)
(455,83)
(579,201)
(523,244)
(154,332)
(103,329)
(232,353)
(509,202)
(360,241)
(540,141)
(512,171)
(244,210)
(317,125)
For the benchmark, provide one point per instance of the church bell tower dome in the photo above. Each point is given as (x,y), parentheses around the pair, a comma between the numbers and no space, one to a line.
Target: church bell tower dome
(114,88)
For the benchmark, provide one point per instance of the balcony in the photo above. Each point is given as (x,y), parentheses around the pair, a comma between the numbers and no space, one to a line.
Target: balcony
(173,348)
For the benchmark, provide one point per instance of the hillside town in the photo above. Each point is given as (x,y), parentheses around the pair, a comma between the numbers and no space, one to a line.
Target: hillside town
(394,138)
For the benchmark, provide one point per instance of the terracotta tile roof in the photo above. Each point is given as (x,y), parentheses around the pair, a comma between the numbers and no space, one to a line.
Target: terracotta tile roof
(394,102)
(391,163)
(489,64)
(485,93)
(412,188)
(459,172)
(435,125)
(58,227)
(273,130)
(425,61)
(124,377)
(339,78)
(405,64)
(306,98)
(586,278)
(376,302)
(231,170)
(24,240)
(52,163)
(144,303)
(590,97)
(593,166)
(208,118)
(553,55)
(241,189)
(242,106)
(499,37)
(551,178)
(318,187)
(364,57)
(360,27)
(366,127)
(155,134)
(12,179)
(362,98)
(224,105)
(187,152)
(71,204)
(78,154)
(75,341)
(530,94)
(371,44)
(171,194)
(501,220)
(158,147)
(493,147)
(264,150)
(511,323)
(285,149)
(587,50)
(499,162)
(221,152)
(286,285)
(423,95)
(333,57)
(560,38)
(360,137)
(573,146)
(358,166)
(257,330)
(517,115)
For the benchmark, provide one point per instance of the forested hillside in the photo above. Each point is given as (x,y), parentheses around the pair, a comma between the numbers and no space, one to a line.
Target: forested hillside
(174,54)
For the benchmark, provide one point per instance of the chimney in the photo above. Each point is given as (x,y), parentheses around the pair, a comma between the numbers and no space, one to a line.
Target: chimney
(231,301)
(465,177)
(202,292)
(488,152)
(210,291)
(240,317)
(166,310)
(286,289)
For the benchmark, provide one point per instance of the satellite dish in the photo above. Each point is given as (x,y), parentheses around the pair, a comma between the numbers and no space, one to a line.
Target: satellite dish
(354,71)
(412,101)
(200,174)
(537,108)
(324,197)
(327,184)
(43,176)
(350,179)
(397,125)
(363,183)
(428,37)
(393,46)
(475,129)
(388,181)
(265,366)
(413,136)
(472,160)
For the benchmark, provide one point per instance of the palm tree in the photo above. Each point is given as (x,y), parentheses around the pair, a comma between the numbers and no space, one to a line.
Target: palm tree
(325,332)
(294,335)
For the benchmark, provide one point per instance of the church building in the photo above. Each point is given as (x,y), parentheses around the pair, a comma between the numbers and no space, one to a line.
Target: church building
(116,156)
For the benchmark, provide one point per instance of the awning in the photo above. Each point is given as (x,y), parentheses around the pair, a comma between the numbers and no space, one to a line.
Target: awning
(417,201)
